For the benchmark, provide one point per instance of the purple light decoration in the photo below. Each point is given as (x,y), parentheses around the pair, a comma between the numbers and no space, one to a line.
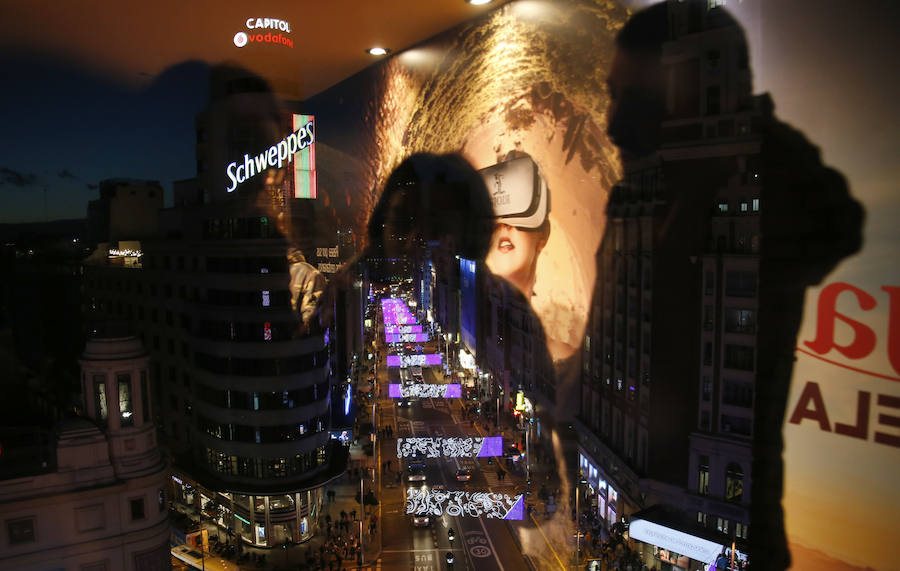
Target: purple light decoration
(491,446)
(394,391)
(453,391)
(518,509)
(428,360)
(398,329)
(405,337)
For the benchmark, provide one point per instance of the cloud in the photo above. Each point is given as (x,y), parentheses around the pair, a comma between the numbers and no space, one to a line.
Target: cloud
(66,173)
(16,178)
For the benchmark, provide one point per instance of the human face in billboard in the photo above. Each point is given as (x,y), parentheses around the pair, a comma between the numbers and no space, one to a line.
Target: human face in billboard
(514,254)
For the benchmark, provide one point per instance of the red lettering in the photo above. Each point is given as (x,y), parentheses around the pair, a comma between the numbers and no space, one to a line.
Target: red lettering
(863,338)
(811,395)
(861,429)
(888,420)
(894,326)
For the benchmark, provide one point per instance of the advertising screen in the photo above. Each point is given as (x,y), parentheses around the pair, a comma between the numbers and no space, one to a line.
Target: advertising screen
(468,303)
(305,159)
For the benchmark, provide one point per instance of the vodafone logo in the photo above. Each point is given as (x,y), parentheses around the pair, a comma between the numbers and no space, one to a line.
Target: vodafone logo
(256,35)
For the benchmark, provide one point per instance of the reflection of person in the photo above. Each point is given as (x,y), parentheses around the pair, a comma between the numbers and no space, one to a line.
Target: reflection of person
(306,286)
(808,223)
(521,202)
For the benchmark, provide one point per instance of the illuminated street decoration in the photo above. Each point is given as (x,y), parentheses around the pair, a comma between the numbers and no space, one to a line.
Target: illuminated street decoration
(406,338)
(395,312)
(478,447)
(469,504)
(448,391)
(402,329)
(431,359)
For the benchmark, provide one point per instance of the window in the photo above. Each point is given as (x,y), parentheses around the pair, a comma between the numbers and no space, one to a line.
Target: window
(100,402)
(755,204)
(145,397)
(734,483)
(739,357)
(722,206)
(265,298)
(20,531)
(722,525)
(740,320)
(744,206)
(740,283)
(703,476)
(125,405)
(707,389)
(707,353)
(137,509)
(713,106)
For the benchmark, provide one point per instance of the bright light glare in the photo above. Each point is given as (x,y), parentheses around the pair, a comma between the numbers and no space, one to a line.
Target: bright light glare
(378,51)
(479,2)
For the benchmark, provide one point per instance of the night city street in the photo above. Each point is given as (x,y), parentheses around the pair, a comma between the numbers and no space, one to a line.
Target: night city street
(449,285)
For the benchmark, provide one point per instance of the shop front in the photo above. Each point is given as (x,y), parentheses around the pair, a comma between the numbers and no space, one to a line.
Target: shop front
(262,521)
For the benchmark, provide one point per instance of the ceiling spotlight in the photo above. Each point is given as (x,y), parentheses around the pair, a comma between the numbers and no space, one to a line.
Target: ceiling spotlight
(479,2)
(378,51)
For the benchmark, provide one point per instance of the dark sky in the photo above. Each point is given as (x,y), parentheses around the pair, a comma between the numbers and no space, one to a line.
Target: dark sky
(66,128)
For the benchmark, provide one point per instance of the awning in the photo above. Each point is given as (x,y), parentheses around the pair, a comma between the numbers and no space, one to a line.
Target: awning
(696,548)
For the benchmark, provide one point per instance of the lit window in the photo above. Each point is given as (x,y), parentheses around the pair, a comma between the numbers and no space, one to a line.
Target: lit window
(755,205)
(744,206)
(125,404)
(265,298)
(267,331)
(722,206)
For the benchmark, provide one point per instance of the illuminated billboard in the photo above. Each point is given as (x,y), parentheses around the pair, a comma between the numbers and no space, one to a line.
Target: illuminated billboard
(298,145)
(305,159)
(468,504)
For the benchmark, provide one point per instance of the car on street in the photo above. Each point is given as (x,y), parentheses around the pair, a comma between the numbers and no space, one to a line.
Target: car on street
(416,463)
(403,402)
(416,476)
(439,488)
(420,520)
(463,475)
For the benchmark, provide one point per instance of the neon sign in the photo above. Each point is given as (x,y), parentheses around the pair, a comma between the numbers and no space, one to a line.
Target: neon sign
(241,39)
(275,156)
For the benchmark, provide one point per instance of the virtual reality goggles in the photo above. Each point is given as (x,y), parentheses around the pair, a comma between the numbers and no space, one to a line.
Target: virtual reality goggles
(518,192)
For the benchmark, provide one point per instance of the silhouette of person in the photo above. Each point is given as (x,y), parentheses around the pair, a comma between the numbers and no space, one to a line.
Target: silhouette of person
(808,222)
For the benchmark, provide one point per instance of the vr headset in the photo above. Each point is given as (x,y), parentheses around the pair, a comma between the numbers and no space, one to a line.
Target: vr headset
(518,192)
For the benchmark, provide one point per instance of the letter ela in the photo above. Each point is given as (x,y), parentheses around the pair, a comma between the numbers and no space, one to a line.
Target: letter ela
(811,406)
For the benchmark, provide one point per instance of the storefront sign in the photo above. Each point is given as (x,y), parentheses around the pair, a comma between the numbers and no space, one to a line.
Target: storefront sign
(694,547)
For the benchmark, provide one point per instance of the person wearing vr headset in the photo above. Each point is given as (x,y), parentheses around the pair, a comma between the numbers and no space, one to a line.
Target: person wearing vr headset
(521,202)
